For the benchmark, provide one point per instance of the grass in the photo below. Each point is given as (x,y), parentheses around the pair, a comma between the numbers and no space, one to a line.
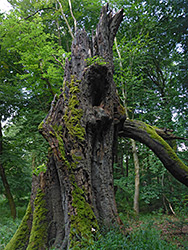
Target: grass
(144,237)
(148,232)
(7,225)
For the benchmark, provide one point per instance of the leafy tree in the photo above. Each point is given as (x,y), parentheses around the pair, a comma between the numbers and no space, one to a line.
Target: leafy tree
(149,81)
(11,99)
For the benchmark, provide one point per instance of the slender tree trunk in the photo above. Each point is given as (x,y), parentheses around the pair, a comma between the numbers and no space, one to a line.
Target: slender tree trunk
(133,143)
(137,177)
(4,180)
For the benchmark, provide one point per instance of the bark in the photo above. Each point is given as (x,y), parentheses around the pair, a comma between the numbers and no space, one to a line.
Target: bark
(152,137)
(75,195)
(5,181)
(137,177)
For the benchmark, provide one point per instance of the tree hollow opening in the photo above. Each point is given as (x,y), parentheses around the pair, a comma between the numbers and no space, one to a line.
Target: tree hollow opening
(97,83)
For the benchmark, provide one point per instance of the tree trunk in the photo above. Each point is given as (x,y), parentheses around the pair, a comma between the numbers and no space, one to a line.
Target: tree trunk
(76,195)
(4,180)
(137,177)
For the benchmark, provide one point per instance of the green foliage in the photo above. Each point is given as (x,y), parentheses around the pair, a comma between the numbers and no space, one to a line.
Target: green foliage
(149,86)
(7,225)
(7,230)
(22,233)
(23,149)
(144,238)
(39,169)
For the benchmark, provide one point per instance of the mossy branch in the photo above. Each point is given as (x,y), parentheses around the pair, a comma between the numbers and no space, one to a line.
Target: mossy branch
(149,136)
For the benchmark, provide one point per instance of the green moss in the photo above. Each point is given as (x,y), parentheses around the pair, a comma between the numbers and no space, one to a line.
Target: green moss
(74,114)
(21,237)
(51,133)
(84,220)
(152,132)
(41,125)
(83,223)
(96,60)
(38,237)
(121,110)
(58,134)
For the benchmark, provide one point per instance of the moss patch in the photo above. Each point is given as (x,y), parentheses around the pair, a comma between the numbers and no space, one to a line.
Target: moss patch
(73,114)
(38,237)
(83,223)
(40,127)
(21,237)
(39,169)
(152,132)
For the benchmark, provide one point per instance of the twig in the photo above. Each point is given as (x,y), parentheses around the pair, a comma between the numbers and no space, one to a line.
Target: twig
(58,62)
(70,30)
(75,22)
(25,18)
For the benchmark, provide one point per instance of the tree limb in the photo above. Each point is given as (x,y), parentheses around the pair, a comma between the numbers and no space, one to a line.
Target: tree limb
(62,12)
(33,14)
(75,22)
(148,135)
(63,66)
(167,135)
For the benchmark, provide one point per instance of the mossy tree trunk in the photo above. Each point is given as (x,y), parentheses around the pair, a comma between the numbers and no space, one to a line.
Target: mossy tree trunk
(75,195)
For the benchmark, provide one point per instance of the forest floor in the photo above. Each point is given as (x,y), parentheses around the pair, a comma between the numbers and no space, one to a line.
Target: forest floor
(173,229)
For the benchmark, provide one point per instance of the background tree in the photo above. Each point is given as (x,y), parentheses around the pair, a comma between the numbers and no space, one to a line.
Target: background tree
(11,99)
(148,40)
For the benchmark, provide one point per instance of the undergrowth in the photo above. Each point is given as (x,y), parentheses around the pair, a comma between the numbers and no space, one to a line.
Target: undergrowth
(7,225)
(140,233)
(145,237)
